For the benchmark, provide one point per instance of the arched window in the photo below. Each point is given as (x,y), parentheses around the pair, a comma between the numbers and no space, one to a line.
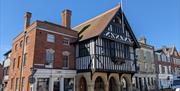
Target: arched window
(49,56)
(99,84)
(66,59)
(82,84)
(112,84)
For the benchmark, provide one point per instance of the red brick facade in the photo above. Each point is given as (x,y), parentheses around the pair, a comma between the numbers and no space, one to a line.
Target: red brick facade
(33,42)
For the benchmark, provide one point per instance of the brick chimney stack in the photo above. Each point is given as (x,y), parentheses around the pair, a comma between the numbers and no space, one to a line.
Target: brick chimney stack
(27,20)
(66,18)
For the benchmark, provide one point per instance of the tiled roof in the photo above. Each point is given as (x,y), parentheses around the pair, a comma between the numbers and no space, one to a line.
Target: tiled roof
(96,25)
(167,50)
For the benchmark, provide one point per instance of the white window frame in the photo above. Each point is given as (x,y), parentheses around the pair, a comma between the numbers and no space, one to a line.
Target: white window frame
(66,53)
(66,40)
(52,52)
(50,38)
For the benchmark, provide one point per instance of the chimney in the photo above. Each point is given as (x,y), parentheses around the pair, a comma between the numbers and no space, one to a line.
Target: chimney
(142,40)
(27,19)
(66,18)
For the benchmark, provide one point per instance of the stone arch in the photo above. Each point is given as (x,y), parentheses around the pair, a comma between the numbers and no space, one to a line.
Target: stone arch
(125,81)
(115,76)
(102,75)
(82,84)
(99,84)
(113,86)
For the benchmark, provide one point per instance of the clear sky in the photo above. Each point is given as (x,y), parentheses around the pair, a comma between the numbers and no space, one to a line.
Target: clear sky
(157,20)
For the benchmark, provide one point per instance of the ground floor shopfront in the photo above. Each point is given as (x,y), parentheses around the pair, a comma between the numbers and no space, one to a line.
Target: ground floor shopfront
(54,80)
(144,82)
(100,81)
(165,81)
(69,80)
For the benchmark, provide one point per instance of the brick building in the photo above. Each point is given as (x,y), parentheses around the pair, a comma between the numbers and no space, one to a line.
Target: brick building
(43,57)
(167,65)
(175,58)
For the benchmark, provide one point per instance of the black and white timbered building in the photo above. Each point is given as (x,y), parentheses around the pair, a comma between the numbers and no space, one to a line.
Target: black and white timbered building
(105,53)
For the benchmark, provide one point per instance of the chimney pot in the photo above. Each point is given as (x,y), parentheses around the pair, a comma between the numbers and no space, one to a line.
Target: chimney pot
(66,18)
(27,20)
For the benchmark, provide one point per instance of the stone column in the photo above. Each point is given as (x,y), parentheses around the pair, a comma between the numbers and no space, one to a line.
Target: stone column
(62,84)
(90,86)
(106,84)
(51,83)
(118,86)
(34,86)
(130,83)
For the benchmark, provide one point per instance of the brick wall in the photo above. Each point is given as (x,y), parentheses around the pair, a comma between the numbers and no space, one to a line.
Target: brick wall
(36,50)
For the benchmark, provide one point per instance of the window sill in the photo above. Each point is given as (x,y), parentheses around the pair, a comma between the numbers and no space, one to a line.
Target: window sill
(48,66)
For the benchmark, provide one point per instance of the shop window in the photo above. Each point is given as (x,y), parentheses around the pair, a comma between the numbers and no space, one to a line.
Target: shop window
(56,86)
(68,84)
(43,84)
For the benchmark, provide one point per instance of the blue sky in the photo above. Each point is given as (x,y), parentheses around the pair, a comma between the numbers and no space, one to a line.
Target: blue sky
(157,20)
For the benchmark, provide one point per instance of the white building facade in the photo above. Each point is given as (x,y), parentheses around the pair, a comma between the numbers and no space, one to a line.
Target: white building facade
(144,79)
(54,80)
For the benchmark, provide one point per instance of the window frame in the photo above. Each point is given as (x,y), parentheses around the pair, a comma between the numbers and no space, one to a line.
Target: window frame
(16,47)
(50,56)
(25,59)
(21,43)
(22,83)
(17,84)
(12,84)
(50,38)
(67,61)
(18,63)
(27,40)
(66,41)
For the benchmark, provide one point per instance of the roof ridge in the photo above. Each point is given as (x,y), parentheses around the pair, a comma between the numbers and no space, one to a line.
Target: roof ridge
(118,6)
